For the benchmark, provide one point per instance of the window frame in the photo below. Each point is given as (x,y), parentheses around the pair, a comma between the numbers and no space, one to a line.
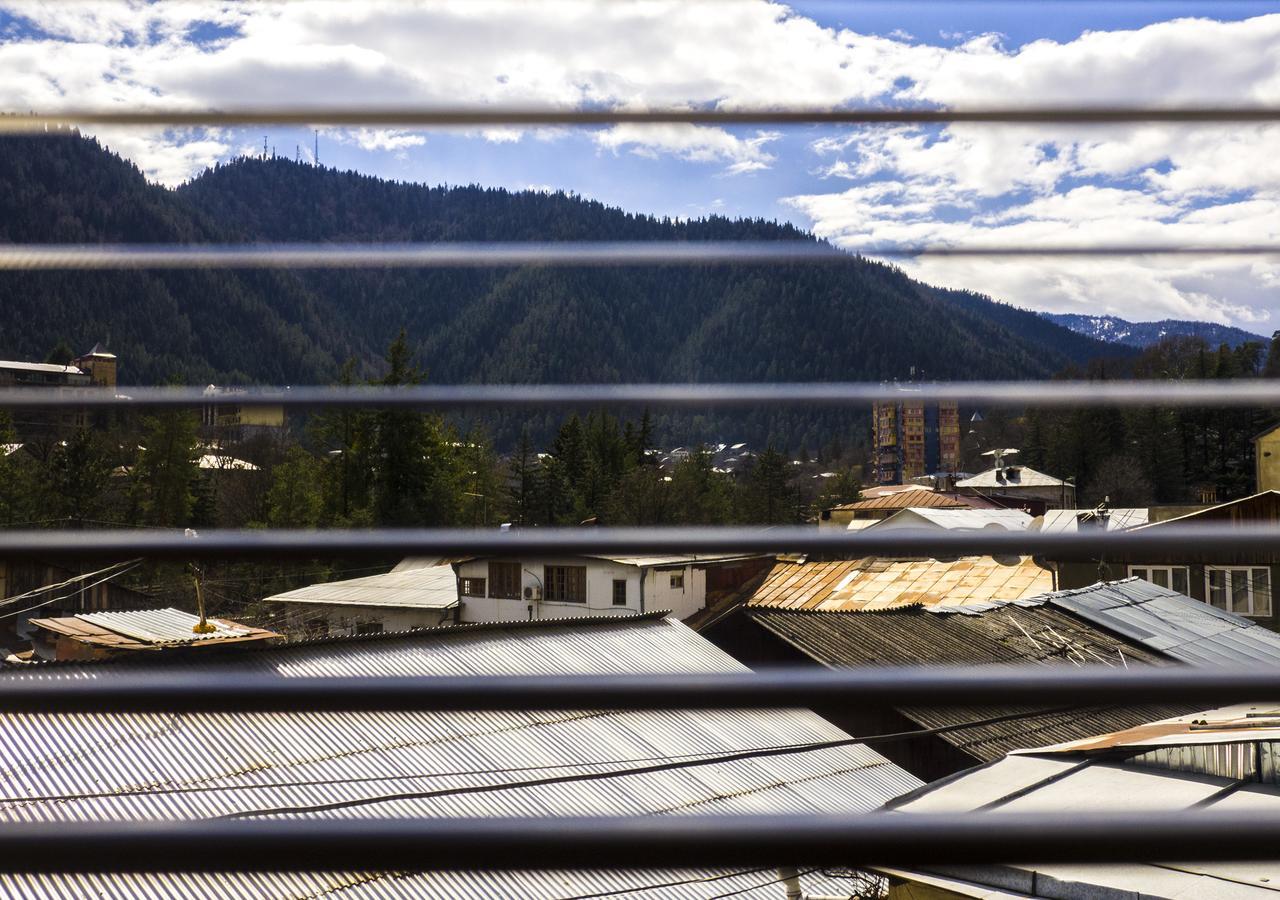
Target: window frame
(1169,571)
(677,580)
(500,572)
(564,584)
(464,581)
(1251,579)
(619,584)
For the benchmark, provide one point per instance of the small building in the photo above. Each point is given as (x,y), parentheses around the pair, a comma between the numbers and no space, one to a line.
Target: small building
(1221,760)
(1122,625)
(380,766)
(104,635)
(401,600)
(956,520)
(222,412)
(861,513)
(1015,484)
(1236,582)
(498,589)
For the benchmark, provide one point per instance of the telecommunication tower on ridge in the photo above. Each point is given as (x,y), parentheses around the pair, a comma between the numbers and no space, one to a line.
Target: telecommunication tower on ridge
(317,153)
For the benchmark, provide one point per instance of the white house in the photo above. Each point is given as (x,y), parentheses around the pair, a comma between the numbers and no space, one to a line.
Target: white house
(501,589)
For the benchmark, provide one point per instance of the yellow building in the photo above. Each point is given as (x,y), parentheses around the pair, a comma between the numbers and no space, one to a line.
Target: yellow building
(99,365)
(227,413)
(1266,451)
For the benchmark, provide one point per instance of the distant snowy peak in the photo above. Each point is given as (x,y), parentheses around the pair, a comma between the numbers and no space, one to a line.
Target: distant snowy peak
(1143,334)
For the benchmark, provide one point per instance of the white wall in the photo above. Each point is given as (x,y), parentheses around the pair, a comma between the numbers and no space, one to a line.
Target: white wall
(344,619)
(658,593)
(683,602)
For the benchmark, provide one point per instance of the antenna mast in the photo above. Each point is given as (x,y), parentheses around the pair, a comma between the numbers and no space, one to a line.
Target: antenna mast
(317,154)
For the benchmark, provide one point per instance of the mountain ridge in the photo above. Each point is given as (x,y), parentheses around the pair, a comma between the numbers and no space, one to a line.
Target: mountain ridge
(1113,329)
(850,320)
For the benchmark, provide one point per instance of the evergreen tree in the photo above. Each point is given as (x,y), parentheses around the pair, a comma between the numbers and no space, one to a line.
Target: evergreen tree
(168,468)
(767,493)
(523,481)
(295,499)
(699,494)
(78,476)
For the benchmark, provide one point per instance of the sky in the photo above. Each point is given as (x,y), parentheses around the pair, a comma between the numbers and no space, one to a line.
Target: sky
(856,186)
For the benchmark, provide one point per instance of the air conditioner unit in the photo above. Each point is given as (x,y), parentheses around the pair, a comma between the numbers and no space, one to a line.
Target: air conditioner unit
(533,593)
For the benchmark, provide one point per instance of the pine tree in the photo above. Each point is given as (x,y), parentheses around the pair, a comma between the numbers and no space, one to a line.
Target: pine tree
(168,468)
(295,499)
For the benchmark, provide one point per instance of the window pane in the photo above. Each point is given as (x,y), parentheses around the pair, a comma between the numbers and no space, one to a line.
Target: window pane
(1240,591)
(1180,582)
(619,592)
(1217,588)
(1261,592)
(1141,573)
(1160,577)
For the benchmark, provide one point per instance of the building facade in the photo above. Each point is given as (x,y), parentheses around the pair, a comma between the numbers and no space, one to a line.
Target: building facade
(911,438)
(504,589)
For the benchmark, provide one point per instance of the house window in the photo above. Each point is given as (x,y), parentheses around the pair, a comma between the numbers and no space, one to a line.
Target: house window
(565,584)
(504,580)
(1245,590)
(471,587)
(1175,578)
(619,592)
(677,581)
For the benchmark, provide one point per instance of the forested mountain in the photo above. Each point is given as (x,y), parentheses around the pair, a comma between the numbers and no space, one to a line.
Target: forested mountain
(843,321)
(1148,334)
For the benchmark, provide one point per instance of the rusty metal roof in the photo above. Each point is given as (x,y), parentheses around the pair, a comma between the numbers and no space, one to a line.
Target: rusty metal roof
(148,629)
(873,583)
(917,497)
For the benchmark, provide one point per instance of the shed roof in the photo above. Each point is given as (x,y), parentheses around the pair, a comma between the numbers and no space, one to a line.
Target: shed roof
(117,767)
(1168,622)
(1011,477)
(1057,521)
(1040,782)
(881,583)
(913,497)
(1014,634)
(148,629)
(430,587)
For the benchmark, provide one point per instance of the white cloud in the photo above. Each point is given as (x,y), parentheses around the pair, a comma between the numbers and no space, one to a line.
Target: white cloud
(693,143)
(951,185)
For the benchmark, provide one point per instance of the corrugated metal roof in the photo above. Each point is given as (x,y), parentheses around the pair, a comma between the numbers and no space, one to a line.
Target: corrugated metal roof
(1059,783)
(958,519)
(1011,476)
(430,587)
(114,767)
(1013,635)
(878,583)
(148,629)
(922,498)
(1056,521)
(1172,624)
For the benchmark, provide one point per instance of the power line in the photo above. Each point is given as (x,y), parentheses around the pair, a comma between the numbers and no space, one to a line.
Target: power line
(667,884)
(9,601)
(692,758)
(665,764)
(19,612)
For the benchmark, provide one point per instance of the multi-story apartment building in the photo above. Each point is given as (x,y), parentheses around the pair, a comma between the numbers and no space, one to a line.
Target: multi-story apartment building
(911,438)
